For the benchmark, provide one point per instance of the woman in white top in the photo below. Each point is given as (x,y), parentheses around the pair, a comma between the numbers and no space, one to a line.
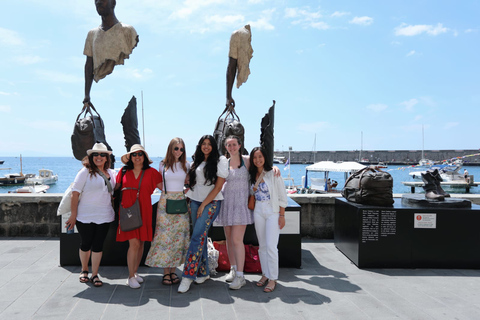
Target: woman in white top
(172,232)
(206,178)
(269,215)
(93,212)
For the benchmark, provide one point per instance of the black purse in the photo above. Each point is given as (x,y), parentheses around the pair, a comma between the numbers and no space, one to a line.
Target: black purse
(174,206)
(131,217)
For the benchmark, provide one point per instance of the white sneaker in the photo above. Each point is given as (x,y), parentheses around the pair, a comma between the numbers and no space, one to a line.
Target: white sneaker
(201,280)
(237,283)
(231,275)
(184,285)
(132,283)
(138,278)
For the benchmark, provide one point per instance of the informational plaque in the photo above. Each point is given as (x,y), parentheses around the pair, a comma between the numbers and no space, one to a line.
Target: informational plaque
(388,224)
(425,220)
(370,224)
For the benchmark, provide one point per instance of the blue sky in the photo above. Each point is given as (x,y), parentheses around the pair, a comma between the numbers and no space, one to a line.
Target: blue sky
(335,68)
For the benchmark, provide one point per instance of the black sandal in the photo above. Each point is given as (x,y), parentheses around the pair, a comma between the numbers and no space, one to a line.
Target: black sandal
(96,281)
(175,278)
(165,281)
(83,277)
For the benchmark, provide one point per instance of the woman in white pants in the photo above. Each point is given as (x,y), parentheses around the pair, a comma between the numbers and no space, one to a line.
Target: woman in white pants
(269,215)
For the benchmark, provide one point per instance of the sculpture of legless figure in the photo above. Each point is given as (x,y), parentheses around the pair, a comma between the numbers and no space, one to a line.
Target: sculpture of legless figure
(106,46)
(239,57)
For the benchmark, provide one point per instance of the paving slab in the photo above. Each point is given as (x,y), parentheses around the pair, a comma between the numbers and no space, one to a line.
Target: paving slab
(327,286)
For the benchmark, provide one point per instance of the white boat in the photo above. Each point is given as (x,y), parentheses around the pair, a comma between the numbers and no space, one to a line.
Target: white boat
(31,189)
(321,185)
(448,173)
(278,159)
(45,176)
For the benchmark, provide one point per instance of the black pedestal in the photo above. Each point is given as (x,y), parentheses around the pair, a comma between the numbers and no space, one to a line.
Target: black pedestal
(403,237)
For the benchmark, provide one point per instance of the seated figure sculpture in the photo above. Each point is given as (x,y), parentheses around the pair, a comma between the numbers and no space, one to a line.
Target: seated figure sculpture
(107,45)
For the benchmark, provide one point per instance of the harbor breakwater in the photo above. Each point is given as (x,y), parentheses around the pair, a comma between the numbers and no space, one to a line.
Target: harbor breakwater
(35,215)
(393,157)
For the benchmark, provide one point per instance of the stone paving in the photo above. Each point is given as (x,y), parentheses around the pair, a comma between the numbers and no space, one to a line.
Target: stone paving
(328,286)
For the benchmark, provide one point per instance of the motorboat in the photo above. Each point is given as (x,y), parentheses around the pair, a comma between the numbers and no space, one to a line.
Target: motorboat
(44,176)
(448,173)
(320,185)
(31,189)
(12,179)
(2,161)
(278,159)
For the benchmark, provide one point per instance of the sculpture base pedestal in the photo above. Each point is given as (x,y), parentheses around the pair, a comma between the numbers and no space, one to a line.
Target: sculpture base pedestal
(419,201)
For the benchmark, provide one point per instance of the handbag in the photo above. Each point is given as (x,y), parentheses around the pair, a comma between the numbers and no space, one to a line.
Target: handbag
(251,198)
(131,217)
(369,186)
(65,205)
(174,206)
(229,125)
(212,257)
(252,260)
(87,131)
(223,261)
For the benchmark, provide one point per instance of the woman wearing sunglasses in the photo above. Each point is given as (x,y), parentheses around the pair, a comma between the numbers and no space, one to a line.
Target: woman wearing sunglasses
(172,231)
(92,213)
(139,175)
(206,178)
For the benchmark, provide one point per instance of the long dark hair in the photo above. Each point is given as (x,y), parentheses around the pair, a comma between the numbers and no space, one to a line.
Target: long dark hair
(239,150)
(253,169)
(88,163)
(210,170)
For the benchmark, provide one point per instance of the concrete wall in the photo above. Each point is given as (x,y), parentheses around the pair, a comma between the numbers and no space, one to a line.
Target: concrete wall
(375,156)
(30,215)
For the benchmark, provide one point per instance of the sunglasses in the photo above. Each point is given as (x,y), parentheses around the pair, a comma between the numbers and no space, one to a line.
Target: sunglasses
(96,154)
(177,148)
(134,154)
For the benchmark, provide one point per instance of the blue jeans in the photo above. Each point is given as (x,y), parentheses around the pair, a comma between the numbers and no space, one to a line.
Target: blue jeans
(196,261)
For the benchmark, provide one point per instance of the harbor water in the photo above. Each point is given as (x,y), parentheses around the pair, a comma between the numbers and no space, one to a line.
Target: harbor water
(67,167)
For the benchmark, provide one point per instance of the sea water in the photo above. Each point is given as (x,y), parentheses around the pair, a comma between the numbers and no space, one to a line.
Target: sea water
(67,168)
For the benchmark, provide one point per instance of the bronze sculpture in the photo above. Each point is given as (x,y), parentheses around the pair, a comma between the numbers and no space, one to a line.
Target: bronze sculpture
(107,45)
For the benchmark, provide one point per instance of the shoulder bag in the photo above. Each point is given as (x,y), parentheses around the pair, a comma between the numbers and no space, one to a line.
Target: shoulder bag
(131,217)
(174,206)
(251,198)
(369,186)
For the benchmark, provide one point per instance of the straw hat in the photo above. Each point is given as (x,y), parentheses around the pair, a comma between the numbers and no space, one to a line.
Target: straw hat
(100,148)
(135,148)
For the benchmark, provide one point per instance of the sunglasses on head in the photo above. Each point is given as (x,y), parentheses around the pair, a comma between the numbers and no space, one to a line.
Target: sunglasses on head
(96,154)
(177,148)
(134,154)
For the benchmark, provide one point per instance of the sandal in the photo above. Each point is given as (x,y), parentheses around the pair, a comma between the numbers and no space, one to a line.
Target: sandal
(96,281)
(270,288)
(165,281)
(84,277)
(263,281)
(174,278)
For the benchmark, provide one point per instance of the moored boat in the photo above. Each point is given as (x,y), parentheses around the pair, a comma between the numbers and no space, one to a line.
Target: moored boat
(45,176)
(31,189)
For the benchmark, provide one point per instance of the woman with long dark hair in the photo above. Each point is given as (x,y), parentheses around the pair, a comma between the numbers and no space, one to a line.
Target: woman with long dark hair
(138,176)
(172,231)
(269,215)
(93,213)
(206,178)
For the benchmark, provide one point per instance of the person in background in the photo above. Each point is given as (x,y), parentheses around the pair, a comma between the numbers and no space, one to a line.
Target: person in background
(93,213)
(466,176)
(172,232)
(206,177)
(269,215)
(138,164)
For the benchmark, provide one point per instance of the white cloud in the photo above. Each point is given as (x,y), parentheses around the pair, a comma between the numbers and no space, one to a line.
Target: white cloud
(338,14)
(5,109)
(133,73)
(10,38)
(418,118)
(27,60)
(320,25)
(377,107)
(414,30)
(363,21)
(409,104)
(191,6)
(470,30)
(56,76)
(411,53)
(306,18)
(230,19)
(450,125)
(264,21)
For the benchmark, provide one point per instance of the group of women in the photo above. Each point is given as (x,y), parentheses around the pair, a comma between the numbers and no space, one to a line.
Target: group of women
(217,188)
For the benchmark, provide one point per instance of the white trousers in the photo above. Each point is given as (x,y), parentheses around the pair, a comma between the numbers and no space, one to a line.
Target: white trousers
(268,232)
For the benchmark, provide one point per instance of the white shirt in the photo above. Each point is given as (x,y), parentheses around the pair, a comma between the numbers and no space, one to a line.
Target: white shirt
(95,203)
(200,190)
(174,180)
